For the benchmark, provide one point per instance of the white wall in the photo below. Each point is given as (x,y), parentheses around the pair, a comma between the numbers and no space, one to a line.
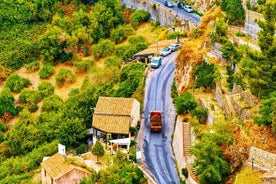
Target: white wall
(135,113)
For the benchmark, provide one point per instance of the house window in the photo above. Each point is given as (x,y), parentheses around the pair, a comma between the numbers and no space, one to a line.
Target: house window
(45,173)
(52,181)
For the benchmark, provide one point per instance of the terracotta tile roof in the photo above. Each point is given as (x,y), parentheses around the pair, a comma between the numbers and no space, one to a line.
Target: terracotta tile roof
(114,105)
(112,123)
(56,166)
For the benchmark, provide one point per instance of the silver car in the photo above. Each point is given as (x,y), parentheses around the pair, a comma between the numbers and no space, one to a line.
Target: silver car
(175,47)
(165,51)
(188,8)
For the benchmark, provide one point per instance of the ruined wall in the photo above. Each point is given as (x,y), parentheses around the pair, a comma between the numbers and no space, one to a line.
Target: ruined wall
(202,5)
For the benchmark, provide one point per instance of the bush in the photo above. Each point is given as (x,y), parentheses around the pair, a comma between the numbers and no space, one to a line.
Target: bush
(121,33)
(185,172)
(125,51)
(65,76)
(6,102)
(83,65)
(46,89)
(154,6)
(185,103)
(32,66)
(197,33)
(3,126)
(136,39)
(113,62)
(175,34)
(201,113)
(138,17)
(29,96)
(103,48)
(46,71)
(234,11)
(16,83)
(205,75)
(82,149)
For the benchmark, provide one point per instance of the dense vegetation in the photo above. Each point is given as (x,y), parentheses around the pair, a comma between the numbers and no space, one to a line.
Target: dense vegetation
(38,35)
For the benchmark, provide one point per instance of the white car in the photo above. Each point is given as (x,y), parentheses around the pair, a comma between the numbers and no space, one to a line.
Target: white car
(165,51)
(188,8)
(175,47)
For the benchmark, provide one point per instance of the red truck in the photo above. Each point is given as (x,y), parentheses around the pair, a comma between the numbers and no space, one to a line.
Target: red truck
(156,121)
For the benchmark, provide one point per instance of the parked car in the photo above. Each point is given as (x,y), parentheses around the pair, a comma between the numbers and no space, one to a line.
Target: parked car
(165,51)
(175,47)
(156,62)
(188,8)
(180,5)
(168,4)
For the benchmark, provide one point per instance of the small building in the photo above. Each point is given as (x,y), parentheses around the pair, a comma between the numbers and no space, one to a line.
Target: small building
(57,169)
(113,117)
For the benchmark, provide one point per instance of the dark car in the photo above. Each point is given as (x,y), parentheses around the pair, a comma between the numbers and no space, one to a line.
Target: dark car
(180,5)
(168,4)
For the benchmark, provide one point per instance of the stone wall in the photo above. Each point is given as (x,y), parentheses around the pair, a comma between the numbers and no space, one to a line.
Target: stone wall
(265,162)
(178,145)
(166,16)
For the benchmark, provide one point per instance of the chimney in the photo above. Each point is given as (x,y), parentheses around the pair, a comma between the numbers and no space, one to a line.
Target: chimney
(61,149)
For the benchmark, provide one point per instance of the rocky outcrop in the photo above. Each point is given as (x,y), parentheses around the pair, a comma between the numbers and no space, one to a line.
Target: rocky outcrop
(202,5)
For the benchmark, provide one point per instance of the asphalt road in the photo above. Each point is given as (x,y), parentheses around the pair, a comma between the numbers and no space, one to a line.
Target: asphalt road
(157,146)
(194,18)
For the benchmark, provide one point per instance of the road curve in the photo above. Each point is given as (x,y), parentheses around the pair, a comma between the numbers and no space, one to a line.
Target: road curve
(157,146)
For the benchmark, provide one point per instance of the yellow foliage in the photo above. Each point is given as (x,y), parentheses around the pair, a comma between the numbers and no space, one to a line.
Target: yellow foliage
(209,16)
(247,176)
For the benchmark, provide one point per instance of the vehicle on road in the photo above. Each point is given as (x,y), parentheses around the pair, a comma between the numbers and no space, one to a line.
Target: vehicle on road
(188,8)
(180,5)
(168,4)
(165,51)
(155,121)
(175,47)
(156,62)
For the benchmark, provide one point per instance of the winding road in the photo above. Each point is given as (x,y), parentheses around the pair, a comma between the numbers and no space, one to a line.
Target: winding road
(157,146)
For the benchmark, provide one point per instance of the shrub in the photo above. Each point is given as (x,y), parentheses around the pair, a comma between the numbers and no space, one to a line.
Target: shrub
(81,149)
(175,34)
(3,126)
(103,48)
(125,51)
(136,39)
(197,33)
(32,66)
(6,102)
(113,62)
(16,83)
(185,103)
(185,172)
(201,113)
(154,6)
(46,71)
(83,65)
(65,76)
(46,89)
(29,96)
(121,33)
(138,17)
(234,11)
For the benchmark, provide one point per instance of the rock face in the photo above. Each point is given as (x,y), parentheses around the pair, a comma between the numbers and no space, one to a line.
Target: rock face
(202,5)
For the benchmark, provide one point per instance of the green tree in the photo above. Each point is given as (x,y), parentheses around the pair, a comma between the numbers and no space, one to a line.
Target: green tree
(46,71)
(6,102)
(24,136)
(201,113)
(121,33)
(185,103)
(72,131)
(52,103)
(209,164)
(229,52)
(234,11)
(204,75)
(46,89)
(98,150)
(65,76)
(267,111)
(106,15)
(104,48)
(16,83)
(138,17)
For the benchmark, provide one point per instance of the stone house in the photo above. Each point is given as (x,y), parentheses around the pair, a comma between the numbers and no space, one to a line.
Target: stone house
(113,118)
(58,169)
